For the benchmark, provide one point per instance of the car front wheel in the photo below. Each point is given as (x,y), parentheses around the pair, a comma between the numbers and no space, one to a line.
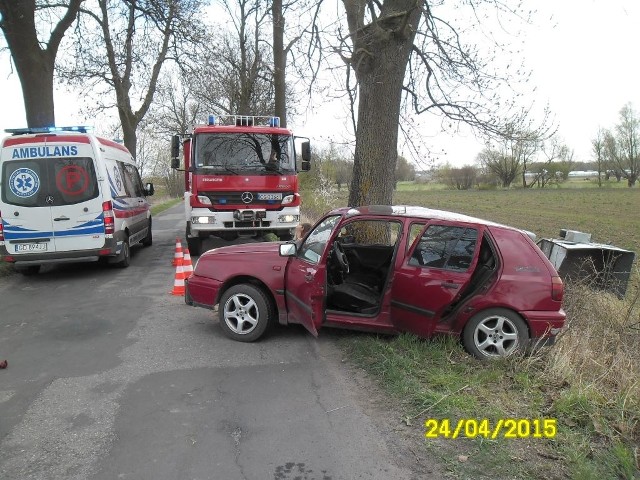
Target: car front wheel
(495,333)
(245,313)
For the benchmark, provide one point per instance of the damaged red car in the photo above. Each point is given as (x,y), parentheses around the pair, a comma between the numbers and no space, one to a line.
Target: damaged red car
(390,269)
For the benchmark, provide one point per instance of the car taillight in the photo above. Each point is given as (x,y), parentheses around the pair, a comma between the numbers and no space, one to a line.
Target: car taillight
(557,288)
(109,219)
(1,229)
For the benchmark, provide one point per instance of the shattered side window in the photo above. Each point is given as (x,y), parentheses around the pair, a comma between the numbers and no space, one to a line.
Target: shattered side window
(315,243)
(447,247)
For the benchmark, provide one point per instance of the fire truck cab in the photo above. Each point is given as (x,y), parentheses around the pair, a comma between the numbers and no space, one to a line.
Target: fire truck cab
(240,178)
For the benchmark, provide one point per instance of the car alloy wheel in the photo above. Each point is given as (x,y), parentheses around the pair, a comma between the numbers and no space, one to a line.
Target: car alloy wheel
(495,333)
(245,313)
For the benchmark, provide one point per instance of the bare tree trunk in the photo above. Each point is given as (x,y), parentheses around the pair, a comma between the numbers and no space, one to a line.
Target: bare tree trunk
(34,64)
(279,62)
(381,53)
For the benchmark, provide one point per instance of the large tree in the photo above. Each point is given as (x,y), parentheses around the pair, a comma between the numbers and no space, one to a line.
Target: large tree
(34,57)
(412,50)
(122,46)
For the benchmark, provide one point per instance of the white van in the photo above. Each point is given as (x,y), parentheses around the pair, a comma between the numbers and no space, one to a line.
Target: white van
(69,196)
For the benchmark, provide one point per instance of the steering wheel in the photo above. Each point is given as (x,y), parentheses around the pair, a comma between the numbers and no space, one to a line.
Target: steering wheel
(341,257)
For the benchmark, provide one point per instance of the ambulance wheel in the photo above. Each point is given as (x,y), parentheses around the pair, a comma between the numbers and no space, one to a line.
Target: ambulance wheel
(28,271)
(125,256)
(147,241)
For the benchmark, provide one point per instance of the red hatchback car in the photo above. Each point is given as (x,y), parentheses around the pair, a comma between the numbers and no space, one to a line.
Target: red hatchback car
(390,269)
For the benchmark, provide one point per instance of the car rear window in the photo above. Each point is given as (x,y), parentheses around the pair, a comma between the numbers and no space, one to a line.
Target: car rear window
(48,182)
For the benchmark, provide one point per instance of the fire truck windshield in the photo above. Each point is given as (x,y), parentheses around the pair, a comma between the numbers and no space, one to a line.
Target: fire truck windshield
(244,153)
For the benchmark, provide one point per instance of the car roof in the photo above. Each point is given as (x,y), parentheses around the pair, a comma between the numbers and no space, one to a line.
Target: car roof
(421,212)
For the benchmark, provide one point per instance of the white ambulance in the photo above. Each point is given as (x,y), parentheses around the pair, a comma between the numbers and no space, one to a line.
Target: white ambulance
(67,195)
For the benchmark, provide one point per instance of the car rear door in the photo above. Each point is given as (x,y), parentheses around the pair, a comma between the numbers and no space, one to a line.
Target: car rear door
(435,271)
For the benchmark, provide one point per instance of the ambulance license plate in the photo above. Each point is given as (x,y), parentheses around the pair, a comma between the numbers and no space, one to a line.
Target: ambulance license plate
(31,247)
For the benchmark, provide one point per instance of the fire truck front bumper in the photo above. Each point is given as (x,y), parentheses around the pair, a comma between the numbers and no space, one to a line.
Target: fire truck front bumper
(249,219)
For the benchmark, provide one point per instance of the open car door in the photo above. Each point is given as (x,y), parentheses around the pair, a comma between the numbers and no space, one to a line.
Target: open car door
(306,277)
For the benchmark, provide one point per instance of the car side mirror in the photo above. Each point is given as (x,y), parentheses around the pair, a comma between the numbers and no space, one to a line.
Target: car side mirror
(148,189)
(287,249)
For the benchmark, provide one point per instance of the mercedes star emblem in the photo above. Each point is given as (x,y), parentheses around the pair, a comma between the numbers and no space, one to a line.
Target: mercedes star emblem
(247,197)
(49,199)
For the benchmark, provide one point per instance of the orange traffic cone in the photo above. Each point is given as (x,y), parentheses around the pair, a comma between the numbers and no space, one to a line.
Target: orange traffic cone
(187,266)
(177,255)
(178,283)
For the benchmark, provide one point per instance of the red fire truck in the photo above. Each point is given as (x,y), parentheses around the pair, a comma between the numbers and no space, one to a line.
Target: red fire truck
(240,178)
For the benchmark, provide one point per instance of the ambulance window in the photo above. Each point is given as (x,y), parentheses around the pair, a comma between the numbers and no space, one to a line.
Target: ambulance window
(132,178)
(74,180)
(22,183)
(129,183)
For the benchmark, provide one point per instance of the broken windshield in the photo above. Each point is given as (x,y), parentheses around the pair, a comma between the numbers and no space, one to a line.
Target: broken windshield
(243,153)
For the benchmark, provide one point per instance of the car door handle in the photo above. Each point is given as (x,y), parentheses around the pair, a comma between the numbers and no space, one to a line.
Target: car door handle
(450,284)
(61,219)
(308,277)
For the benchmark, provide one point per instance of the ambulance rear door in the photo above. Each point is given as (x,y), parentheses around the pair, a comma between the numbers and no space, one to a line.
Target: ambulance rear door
(76,203)
(26,216)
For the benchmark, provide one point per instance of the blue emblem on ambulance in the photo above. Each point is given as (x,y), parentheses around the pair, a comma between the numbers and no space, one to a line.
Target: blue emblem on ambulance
(24,182)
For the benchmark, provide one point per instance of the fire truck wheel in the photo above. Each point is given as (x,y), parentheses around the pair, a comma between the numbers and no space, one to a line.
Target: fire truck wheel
(195,245)
(228,236)
(245,313)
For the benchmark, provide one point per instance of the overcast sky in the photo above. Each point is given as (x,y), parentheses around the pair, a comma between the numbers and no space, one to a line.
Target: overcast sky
(584,60)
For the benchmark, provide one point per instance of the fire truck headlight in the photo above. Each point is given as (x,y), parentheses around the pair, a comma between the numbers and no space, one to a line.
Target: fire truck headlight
(204,200)
(289,218)
(287,200)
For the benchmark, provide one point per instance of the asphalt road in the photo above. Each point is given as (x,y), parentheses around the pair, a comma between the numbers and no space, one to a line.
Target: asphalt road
(110,376)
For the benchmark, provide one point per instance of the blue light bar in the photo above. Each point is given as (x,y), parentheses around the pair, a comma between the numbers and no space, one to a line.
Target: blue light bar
(212,119)
(32,130)
(274,122)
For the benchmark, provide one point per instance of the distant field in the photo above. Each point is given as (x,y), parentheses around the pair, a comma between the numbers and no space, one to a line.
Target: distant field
(611,215)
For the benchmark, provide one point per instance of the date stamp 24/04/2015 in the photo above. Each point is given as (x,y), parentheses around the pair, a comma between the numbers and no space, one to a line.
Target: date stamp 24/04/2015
(485,428)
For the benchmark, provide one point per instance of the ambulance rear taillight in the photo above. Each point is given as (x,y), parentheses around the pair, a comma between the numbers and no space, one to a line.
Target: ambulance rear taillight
(109,218)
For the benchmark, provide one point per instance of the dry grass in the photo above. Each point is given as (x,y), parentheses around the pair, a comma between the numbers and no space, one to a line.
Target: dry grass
(598,358)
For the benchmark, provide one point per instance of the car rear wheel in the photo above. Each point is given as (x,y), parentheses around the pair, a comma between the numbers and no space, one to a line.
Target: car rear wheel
(245,313)
(495,333)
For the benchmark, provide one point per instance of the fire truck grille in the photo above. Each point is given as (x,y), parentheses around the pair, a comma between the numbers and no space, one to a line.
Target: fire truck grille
(251,224)
(246,198)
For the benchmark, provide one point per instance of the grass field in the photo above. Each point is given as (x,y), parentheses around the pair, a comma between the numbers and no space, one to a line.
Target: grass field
(589,382)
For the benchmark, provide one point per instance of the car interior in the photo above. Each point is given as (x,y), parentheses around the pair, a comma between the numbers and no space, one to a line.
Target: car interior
(357,272)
